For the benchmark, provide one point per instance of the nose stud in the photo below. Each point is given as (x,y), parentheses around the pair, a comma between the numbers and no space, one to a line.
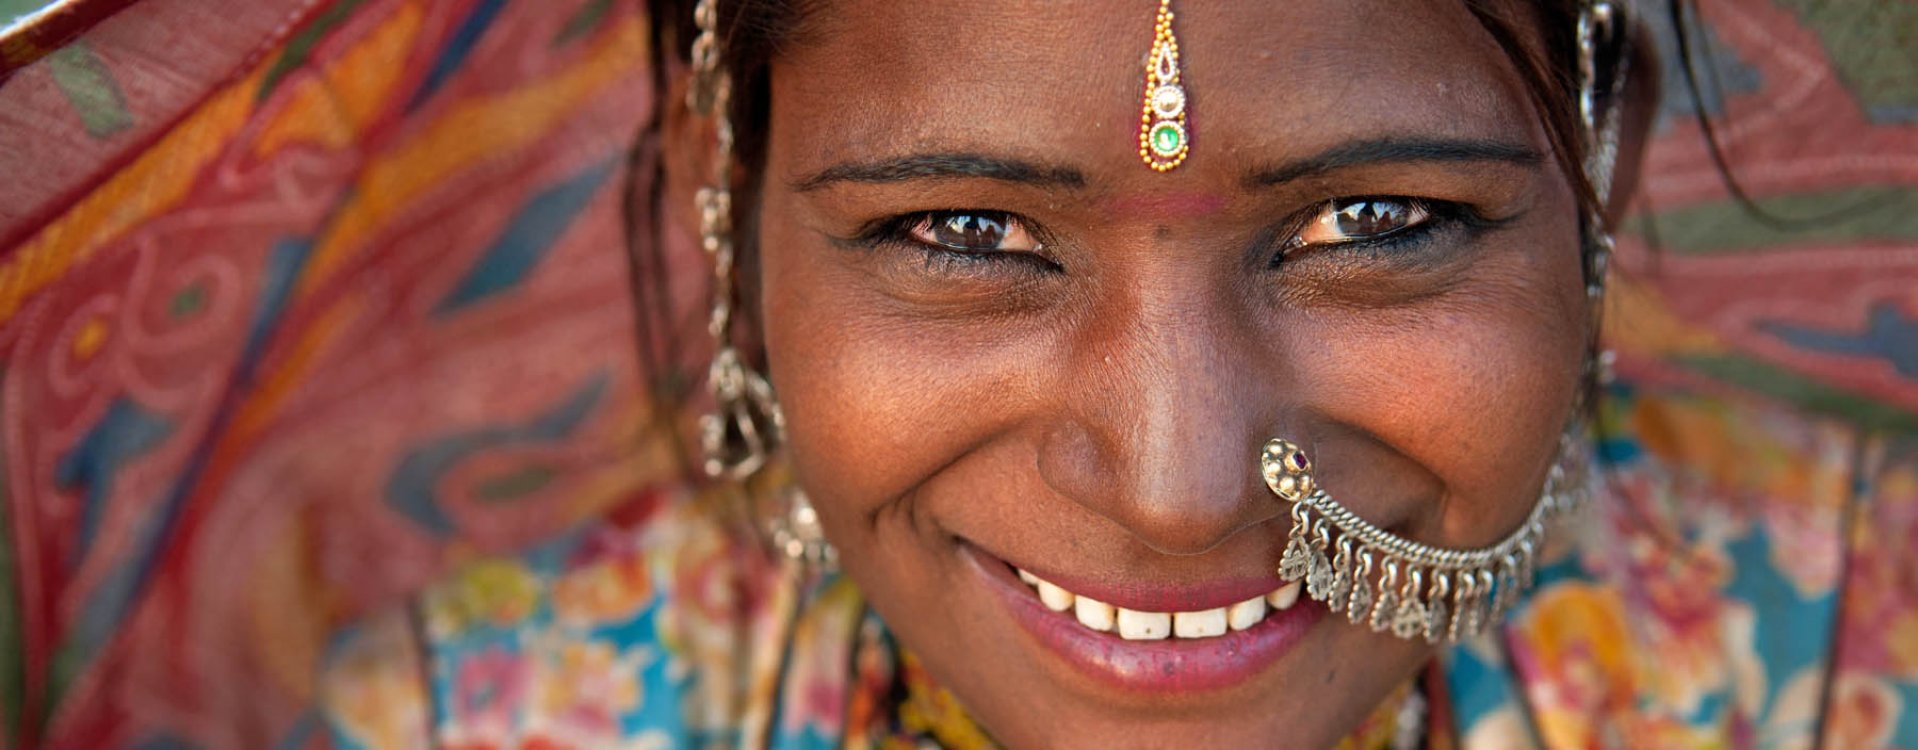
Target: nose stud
(1287,470)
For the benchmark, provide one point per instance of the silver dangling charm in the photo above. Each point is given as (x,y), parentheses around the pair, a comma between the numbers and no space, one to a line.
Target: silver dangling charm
(795,532)
(739,436)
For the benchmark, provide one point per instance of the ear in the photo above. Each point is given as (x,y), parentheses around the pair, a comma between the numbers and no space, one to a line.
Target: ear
(1638,106)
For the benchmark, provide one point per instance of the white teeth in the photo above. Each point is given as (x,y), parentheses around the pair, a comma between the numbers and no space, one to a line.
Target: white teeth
(1284,597)
(1204,624)
(1144,626)
(1056,599)
(1246,614)
(1138,625)
(1093,613)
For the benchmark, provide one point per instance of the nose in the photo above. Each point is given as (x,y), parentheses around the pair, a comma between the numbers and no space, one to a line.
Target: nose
(1160,426)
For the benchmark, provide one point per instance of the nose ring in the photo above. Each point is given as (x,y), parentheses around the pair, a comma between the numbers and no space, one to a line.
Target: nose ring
(1445,594)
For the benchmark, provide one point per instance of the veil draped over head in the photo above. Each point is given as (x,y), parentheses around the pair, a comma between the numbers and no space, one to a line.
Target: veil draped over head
(304,303)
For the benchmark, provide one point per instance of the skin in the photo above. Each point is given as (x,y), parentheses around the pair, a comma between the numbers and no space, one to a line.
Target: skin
(1096,406)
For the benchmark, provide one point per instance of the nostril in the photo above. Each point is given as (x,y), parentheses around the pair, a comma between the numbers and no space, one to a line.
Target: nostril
(1177,497)
(1194,527)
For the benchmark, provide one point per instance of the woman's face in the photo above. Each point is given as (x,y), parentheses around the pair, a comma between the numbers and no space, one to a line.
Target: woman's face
(1002,342)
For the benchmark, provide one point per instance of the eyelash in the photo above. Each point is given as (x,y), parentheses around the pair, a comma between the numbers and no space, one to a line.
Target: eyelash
(1441,216)
(896,233)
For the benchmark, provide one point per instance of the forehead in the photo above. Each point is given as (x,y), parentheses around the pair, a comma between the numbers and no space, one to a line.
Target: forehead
(1064,78)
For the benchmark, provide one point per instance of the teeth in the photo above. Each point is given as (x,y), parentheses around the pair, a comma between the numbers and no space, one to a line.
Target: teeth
(1141,626)
(1246,614)
(1284,597)
(1144,626)
(1204,624)
(1093,613)
(1056,599)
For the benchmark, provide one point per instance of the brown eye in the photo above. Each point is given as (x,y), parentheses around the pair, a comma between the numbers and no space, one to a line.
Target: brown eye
(1360,219)
(975,232)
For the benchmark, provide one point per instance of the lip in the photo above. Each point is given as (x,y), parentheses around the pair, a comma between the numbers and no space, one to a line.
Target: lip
(1170,665)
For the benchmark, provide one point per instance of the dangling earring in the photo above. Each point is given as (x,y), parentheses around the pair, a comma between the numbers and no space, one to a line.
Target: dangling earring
(1599,26)
(746,425)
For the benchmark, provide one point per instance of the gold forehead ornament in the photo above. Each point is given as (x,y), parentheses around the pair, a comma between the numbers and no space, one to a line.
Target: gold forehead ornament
(1164,138)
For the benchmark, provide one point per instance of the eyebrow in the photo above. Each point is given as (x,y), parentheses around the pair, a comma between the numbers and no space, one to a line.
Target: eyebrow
(980,166)
(1394,150)
(944,166)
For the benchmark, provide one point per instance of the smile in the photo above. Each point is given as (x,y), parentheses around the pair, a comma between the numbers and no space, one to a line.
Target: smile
(1150,639)
(1134,625)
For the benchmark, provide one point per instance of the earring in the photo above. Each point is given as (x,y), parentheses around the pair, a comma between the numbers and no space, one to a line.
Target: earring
(1599,25)
(746,425)
(1600,28)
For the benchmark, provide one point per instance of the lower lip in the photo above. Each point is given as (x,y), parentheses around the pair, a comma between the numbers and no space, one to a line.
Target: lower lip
(1169,665)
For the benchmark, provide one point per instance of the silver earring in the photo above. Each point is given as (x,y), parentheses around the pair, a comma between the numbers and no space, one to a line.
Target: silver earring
(1599,23)
(746,425)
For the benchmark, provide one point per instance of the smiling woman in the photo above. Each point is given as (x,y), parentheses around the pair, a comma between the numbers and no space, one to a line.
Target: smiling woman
(556,374)
(1366,250)
(1215,448)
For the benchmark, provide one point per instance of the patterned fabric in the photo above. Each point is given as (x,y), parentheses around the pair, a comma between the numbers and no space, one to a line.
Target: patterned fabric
(304,303)
(300,304)
(1814,302)
(1744,581)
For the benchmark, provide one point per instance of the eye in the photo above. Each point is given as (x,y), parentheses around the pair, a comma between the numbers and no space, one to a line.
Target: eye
(974,232)
(1357,220)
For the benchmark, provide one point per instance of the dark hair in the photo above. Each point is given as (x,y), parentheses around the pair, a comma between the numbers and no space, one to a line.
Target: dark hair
(1539,38)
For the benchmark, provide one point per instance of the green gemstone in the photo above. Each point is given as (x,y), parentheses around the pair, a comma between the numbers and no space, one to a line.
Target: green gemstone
(1166,138)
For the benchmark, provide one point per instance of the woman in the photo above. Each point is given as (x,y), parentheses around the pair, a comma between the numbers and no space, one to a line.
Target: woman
(1208,424)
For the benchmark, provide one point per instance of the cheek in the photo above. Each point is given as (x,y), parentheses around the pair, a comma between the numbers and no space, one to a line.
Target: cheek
(1474,389)
(875,402)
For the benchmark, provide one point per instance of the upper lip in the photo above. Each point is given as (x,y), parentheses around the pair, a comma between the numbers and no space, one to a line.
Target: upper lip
(1150,595)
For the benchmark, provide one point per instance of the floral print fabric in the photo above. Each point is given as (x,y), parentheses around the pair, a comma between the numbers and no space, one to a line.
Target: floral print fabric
(1747,582)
